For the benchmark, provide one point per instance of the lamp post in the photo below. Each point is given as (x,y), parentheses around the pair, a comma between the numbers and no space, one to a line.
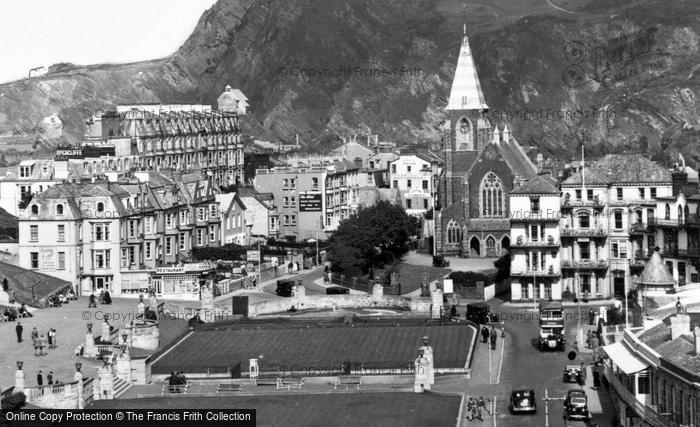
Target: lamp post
(124,337)
(79,383)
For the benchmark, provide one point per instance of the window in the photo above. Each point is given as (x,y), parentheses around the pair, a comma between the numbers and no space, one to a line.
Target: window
(285,183)
(425,203)
(669,267)
(200,237)
(35,210)
(212,211)
(578,194)
(408,169)
(547,291)
(201,212)
(585,284)
(534,205)
(100,207)
(183,217)
(149,250)
(100,232)
(619,249)
(61,260)
(454,233)
(168,245)
(148,224)
(619,193)
(584,221)
(133,227)
(169,220)
(293,183)
(285,202)
(59,209)
(585,250)
(100,258)
(667,214)
(61,233)
(294,220)
(408,183)
(589,194)
(641,193)
(425,184)
(181,242)
(491,196)
(408,203)
(33,233)
(643,383)
(132,255)
(652,192)
(34,259)
(395,184)
(393,168)
(212,233)
(274,226)
(293,202)
(618,220)
(534,233)
(314,183)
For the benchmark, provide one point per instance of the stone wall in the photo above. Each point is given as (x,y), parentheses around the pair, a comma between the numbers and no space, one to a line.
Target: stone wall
(334,301)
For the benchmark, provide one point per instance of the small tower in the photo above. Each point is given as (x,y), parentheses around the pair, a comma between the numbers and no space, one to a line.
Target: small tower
(496,136)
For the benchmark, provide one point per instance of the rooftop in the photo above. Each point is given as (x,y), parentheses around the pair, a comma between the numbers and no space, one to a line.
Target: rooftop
(622,169)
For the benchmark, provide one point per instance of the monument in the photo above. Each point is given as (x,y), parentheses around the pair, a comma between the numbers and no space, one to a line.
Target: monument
(106,330)
(90,348)
(428,354)
(422,366)
(436,299)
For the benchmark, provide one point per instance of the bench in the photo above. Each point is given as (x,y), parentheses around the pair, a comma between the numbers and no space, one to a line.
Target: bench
(222,388)
(348,380)
(290,383)
(267,381)
(175,388)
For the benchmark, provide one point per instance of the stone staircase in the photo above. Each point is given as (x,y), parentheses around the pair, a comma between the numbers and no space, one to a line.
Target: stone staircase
(120,386)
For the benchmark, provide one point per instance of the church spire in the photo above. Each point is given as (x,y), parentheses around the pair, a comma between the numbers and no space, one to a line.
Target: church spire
(464,20)
(466,91)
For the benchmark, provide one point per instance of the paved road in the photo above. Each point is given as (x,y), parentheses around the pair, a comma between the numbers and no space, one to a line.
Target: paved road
(524,366)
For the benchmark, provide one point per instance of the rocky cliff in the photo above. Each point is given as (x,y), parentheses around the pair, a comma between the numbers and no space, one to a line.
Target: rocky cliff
(613,75)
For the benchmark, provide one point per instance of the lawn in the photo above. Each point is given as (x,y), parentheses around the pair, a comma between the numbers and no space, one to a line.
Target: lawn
(315,347)
(346,409)
(411,276)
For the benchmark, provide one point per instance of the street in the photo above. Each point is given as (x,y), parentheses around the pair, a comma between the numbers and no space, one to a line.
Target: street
(525,367)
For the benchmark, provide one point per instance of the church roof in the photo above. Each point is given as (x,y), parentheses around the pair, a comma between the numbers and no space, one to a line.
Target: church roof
(466,91)
(655,272)
(537,185)
(516,158)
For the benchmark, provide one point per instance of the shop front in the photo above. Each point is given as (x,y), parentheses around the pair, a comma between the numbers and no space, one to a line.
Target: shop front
(182,282)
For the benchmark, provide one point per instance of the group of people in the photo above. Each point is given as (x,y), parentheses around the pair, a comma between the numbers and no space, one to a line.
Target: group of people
(105,298)
(61,298)
(40,342)
(474,408)
(177,378)
(491,335)
(49,379)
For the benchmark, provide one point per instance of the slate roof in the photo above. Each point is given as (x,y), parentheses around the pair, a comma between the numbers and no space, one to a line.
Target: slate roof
(462,161)
(656,335)
(655,272)
(23,282)
(539,184)
(515,156)
(622,168)
(681,352)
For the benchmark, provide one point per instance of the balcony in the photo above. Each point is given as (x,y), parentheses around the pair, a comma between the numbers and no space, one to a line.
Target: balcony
(570,204)
(600,233)
(550,273)
(549,243)
(639,228)
(585,265)
(540,216)
(665,222)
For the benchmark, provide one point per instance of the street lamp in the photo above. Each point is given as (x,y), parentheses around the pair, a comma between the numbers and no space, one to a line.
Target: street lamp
(20,364)
(78,366)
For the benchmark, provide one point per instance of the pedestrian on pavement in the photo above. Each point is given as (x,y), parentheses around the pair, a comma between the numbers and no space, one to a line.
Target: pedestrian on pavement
(40,379)
(49,378)
(92,303)
(482,404)
(49,338)
(42,345)
(494,337)
(503,331)
(53,338)
(18,329)
(255,282)
(470,409)
(484,334)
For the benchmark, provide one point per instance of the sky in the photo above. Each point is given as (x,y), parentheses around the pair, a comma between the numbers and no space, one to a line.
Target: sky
(36,33)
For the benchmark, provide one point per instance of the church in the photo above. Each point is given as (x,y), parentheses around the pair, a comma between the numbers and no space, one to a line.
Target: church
(483,163)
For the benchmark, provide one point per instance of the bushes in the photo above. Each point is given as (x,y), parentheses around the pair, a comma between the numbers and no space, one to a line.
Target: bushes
(469,278)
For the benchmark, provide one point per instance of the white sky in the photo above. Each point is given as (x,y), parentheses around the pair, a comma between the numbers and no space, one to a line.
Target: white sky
(37,33)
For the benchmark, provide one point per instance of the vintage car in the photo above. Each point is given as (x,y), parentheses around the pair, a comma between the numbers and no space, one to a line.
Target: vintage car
(574,374)
(576,405)
(440,261)
(523,401)
(480,313)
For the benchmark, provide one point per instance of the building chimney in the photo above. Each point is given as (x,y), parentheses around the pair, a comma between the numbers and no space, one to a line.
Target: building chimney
(680,325)
(679,178)
(696,340)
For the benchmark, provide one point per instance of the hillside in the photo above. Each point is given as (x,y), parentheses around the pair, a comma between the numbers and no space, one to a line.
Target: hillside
(545,65)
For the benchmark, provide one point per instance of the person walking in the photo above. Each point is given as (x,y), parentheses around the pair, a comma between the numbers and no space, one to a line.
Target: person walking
(49,338)
(470,409)
(494,337)
(53,338)
(484,334)
(482,404)
(19,329)
(49,378)
(39,379)
(92,303)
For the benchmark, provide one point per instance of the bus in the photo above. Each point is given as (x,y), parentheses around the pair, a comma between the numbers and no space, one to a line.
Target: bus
(552,336)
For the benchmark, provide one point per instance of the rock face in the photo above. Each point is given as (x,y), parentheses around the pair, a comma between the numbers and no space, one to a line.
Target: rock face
(340,67)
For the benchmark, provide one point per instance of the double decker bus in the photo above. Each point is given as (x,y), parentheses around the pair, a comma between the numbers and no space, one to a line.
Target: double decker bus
(552,335)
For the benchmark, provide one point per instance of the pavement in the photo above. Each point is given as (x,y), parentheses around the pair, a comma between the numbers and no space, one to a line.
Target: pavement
(456,263)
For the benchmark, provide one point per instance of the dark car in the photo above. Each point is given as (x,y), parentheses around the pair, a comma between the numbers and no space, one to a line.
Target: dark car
(440,261)
(576,405)
(337,290)
(480,313)
(523,402)
(285,287)
(573,374)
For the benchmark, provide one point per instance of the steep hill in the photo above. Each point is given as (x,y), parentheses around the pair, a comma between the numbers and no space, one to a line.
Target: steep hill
(333,68)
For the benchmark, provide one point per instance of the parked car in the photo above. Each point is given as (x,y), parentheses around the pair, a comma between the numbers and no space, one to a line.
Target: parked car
(574,374)
(440,261)
(523,401)
(576,406)
(337,290)
(285,287)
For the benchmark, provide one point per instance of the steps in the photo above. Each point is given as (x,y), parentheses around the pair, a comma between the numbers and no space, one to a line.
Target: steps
(120,386)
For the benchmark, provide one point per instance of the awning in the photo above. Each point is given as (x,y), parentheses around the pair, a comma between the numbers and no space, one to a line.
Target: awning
(624,359)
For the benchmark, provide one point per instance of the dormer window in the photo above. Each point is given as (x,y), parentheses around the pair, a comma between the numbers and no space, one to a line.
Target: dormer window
(100,207)
(59,209)
(35,210)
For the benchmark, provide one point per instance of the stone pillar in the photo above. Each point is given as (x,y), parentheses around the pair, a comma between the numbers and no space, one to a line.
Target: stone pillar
(19,378)
(106,380)
(154,304)
(299,291)
(90,349)
(420,382)
(377,293)
(78,377)
(254,369)
(124,365)
(436,303)
(106,331)
(141,309)
(207,299)
(427,351)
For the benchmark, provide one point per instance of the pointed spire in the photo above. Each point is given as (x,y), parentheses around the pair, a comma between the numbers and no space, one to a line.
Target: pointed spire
(496,136)
(466,91)
(464,20)
(506,133)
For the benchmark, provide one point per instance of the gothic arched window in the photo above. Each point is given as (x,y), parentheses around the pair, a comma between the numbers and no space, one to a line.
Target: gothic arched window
(668,212)
(463,135)
(490,243)
(491,196)
(454,233)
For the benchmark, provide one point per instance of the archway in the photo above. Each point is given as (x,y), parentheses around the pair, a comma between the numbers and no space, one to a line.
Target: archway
(490,246)
(475,246)
(505,245)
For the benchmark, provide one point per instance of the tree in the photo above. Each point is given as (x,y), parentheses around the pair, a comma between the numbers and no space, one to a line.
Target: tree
(372,238)
(503,266)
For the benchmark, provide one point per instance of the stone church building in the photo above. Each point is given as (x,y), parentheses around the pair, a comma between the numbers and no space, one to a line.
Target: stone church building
(483,163)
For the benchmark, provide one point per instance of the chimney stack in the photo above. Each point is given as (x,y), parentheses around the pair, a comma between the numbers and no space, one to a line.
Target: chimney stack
(680,325)
(696,340)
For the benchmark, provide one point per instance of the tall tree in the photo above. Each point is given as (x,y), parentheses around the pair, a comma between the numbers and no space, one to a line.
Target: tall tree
(372,238)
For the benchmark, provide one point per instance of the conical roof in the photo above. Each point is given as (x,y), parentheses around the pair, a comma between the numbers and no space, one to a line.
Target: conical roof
(655,272)
(466,91)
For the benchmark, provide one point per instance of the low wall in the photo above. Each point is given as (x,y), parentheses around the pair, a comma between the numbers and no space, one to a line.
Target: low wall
(331,301)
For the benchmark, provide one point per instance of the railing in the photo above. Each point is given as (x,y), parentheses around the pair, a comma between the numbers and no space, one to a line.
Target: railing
(665,222)
(584,264)
(538,273)
(646,413)
(535,243)
(568,203)
(638,228)
(585,232)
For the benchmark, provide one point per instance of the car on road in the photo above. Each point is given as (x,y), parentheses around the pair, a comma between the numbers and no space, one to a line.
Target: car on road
(480,313)
(440,261)
(523,402)
(574,374)
(576,406)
